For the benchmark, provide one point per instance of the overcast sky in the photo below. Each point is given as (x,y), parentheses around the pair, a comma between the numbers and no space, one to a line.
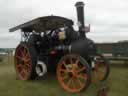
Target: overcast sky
(108,18)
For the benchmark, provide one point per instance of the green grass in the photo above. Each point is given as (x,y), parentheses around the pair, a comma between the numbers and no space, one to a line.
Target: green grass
(117,84)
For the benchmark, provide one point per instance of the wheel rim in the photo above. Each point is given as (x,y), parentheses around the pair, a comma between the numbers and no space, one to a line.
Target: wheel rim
(72,74)
(100,68)
(23,63)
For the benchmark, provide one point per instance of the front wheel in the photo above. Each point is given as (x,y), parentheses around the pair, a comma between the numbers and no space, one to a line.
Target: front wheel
(73,73)
(101,69)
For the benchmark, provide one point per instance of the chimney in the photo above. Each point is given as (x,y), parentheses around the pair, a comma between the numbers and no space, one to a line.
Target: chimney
(80,17)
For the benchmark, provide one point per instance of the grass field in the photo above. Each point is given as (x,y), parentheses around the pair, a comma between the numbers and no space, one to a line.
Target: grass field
(117,84)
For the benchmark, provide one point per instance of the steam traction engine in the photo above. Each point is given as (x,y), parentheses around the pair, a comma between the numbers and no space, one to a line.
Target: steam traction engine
(51,44)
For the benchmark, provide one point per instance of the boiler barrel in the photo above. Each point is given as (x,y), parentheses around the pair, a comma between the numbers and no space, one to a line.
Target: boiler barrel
(83,47)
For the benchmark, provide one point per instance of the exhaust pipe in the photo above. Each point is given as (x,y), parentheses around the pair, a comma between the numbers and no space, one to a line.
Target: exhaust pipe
(80,17)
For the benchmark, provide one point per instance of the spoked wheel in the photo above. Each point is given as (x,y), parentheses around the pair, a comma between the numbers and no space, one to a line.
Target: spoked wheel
(73,73)
(25,61)
(101,69)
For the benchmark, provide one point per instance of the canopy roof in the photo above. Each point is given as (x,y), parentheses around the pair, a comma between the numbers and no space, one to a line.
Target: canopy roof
(43,24)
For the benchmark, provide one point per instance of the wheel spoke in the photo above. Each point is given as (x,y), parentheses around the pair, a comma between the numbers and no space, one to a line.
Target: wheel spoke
(69,82)
(27,70)
(101,65)
(25,52)
(63,62)
(27,59)
(63,70)
(100,71)
(27,56)
(82,76)
(19,65)
(81,69)
(65,77)
(79,82)
(74,83)
(65,65)
(100,76)
(19,57)
(22,73)
(27,66)
(22,53)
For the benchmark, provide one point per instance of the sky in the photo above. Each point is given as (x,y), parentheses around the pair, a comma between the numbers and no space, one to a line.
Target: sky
(108,18)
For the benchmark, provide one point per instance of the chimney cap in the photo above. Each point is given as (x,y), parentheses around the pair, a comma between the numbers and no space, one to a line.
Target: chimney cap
(79,4)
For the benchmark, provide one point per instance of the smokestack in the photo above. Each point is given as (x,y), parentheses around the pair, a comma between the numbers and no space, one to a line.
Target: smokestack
(80,17)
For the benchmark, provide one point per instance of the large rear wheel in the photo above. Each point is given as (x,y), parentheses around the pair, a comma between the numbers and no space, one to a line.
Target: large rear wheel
(25,61)
(73,73)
